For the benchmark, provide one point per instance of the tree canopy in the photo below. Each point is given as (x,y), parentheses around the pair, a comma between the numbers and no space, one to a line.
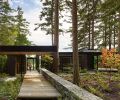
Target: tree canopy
(98,21)
(13,27)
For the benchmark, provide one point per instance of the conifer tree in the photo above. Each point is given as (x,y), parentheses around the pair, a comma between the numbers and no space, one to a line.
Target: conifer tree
(22,29)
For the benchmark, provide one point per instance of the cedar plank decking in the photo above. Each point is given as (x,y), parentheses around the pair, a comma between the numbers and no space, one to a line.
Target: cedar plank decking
(36,87)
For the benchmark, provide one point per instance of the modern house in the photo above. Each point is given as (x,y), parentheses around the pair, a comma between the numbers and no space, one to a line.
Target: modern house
(17,62)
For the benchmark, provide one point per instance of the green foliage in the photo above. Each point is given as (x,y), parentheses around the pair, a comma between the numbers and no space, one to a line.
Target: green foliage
(47,61)
(115,76)
(3,75)
(7,26)
(68,65)
(22,40)
(47,16)
(67,68)
(98,20)
(10,89)
(95,91)
(3,61)
(13,28)
(95,83)
(119,85)
(102,82)
(22,29)
(84,70)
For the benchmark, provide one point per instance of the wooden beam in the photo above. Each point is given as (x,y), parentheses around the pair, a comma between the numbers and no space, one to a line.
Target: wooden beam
(26,49)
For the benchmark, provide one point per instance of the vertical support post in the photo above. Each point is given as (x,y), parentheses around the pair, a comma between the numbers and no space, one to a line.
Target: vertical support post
(37,62)
(21,67)
(25,67)
(40,64)
(97,62)
(27,63)
(33,64)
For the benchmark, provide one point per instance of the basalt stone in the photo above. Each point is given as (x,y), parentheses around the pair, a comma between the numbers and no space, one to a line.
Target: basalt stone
(68,90)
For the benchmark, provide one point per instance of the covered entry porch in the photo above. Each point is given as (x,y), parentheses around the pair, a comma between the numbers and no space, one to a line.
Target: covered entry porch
(34,85)
(17,59)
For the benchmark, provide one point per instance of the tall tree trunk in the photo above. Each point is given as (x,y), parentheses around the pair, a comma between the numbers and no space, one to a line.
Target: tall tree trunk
(110,34)
(95,2)
(93,16)
(93,33)
(84,40)
(89,33)
(114,36)
(105,36)
(52,36)
(109,41)
(56,36)
(89,26)
(76,77)
(114,17)
(119,35)
(52,22)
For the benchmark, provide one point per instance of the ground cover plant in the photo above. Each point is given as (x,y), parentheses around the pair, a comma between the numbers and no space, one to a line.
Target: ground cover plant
(97,83)
(9,89)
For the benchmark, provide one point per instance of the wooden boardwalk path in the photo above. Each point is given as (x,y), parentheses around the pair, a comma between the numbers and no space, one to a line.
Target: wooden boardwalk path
(36,87)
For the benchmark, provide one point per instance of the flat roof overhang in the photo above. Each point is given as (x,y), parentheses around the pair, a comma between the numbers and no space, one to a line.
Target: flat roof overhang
(70,54)
(18,50)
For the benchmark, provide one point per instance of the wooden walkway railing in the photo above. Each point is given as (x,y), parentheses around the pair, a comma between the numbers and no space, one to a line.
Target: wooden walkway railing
(36,87)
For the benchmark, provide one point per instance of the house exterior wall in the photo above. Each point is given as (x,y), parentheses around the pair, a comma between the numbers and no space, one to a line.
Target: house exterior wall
(16,64)
(86,59)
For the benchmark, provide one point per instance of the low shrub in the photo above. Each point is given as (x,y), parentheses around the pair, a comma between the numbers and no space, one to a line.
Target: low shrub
(84,70)
(47,61)
(110,60)
(10,89)
(3,75)
(67,68)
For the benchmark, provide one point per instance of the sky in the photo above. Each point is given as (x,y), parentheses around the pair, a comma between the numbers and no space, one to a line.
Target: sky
(32,10)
